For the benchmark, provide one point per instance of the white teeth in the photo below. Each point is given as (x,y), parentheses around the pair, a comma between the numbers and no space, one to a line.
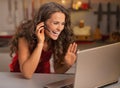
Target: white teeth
(55,32)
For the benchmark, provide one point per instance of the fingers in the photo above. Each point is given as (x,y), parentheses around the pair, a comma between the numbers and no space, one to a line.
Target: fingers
(72,48)
(40,32)
(39,27)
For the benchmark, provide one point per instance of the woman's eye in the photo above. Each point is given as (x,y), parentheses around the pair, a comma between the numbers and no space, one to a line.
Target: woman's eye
(56,23)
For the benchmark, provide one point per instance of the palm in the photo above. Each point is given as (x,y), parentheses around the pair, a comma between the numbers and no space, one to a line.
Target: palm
(70,56)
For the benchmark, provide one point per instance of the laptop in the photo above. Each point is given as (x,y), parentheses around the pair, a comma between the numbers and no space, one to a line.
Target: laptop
(95,67)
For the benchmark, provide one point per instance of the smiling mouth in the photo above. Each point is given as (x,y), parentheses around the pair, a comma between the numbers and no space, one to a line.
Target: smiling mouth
(52,32)
(55,32)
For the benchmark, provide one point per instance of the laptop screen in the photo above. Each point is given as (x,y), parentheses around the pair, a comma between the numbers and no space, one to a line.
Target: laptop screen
(98,66)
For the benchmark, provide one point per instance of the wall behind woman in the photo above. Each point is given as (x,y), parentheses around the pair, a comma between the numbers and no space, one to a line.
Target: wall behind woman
(90,17)
(11,15)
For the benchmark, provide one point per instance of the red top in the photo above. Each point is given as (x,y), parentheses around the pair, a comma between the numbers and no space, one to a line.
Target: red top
(43,66)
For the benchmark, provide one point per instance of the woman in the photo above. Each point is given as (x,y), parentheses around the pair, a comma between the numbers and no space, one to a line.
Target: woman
(49,33)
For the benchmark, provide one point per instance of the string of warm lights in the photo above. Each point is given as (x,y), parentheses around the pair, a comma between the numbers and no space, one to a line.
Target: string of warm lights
(79,5)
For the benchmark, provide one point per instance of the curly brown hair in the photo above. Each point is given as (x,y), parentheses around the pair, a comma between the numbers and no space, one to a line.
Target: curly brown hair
(27,30)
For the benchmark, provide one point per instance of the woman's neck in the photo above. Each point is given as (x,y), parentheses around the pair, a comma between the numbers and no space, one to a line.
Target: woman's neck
(47,43)
(45,47)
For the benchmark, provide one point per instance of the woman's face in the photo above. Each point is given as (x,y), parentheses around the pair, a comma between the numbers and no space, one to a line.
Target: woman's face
(55,25)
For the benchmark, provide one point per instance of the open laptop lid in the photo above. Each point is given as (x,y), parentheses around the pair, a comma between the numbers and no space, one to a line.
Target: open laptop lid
(98,66)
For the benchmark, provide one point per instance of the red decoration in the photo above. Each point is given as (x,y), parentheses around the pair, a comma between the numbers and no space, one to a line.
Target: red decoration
(84,6)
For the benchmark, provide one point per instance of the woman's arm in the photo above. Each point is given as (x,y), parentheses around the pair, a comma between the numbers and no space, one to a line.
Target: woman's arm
(28,62)
(69,59)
